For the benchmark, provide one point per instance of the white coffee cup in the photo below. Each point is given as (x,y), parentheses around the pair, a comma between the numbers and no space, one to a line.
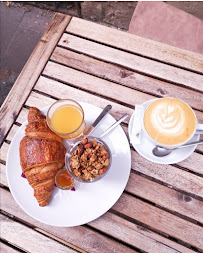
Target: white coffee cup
(170,118)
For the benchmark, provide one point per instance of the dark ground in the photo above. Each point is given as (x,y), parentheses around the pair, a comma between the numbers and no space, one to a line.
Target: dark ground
(20,30)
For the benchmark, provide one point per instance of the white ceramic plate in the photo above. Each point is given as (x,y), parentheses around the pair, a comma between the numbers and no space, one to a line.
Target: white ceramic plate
(89,201)
(145,147)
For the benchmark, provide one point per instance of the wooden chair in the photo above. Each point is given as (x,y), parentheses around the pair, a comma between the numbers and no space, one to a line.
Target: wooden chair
(164,23)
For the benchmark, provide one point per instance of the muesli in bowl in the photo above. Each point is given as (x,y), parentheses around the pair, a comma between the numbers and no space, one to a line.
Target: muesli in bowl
(88,160)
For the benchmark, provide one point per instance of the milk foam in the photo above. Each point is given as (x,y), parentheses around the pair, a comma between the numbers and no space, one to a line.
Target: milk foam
(168,119)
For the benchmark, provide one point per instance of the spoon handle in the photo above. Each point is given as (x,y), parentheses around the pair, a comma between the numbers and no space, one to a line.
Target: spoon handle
(98,119)
(114,125)
(191,144)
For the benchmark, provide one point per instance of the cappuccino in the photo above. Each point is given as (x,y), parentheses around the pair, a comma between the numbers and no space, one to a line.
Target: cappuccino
(169,121)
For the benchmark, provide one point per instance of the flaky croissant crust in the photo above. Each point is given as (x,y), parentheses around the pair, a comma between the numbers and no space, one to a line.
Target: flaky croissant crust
(41,156)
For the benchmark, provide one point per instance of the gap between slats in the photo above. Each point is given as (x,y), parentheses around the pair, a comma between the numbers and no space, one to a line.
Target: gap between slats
(94,85)
(144,66)
(91,240)
(117,223)
(6,247)
(122,76)
(135,44)
(10,226)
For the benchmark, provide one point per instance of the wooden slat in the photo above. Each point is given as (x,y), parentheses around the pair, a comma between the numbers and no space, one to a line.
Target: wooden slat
(7,249)
(30,73)
(59,240)
(133,62)
(168,174)
(76,94)
(15,128)
(137,236)
(80,236)
(94,84)
(26,238)
(23,115)
(141,237)
(126,77)
(12,132)
(4,151)
(160,220)
(194,163)
(136,44)
(165,197)
(3,179)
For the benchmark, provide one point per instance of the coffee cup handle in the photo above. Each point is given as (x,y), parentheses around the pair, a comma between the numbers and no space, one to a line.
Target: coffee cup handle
(199,129)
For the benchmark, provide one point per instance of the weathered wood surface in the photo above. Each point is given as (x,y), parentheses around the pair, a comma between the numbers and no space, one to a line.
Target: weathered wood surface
(28,239)
(160,220)
(146,239)
(161,208)
(7,249)
(13,131)
(133,62)
(3,179)
(82,237)
(126,77)
(169,174)
(165,197)
(30,73)
(136,44)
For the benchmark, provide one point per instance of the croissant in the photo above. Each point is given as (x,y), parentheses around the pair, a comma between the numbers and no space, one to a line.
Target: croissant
(41,156)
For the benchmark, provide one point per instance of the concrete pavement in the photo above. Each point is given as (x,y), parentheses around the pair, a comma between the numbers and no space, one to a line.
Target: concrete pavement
(20,30)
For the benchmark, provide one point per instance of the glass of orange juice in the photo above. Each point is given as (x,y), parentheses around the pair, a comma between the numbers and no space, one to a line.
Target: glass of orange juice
(66,118)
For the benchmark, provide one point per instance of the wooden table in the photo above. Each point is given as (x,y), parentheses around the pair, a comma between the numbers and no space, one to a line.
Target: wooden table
(161,209)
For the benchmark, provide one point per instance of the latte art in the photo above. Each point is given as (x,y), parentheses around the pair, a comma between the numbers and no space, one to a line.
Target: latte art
(169,121)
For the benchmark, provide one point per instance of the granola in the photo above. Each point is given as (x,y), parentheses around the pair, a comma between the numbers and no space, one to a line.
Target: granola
(89,160)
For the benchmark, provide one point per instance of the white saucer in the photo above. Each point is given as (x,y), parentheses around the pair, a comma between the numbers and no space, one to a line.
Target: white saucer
(145,147)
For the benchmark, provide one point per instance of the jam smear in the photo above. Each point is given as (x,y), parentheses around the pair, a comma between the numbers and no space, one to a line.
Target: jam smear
(64,179)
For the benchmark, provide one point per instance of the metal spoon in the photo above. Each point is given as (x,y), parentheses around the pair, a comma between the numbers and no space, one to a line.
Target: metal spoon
(161,152)
(98,119)
(114,125)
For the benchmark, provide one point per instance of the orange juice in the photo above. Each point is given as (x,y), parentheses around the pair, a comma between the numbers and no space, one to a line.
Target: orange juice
(66,119)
